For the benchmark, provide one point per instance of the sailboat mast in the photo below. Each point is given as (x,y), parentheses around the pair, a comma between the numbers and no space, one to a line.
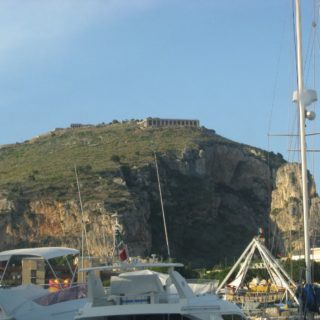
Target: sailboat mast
(303,143)
(162,207)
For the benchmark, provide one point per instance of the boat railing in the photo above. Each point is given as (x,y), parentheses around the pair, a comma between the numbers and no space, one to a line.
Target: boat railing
(72,293)
(262,297)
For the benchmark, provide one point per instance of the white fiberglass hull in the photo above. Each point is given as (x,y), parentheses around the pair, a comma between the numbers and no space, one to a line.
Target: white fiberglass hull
(199,308)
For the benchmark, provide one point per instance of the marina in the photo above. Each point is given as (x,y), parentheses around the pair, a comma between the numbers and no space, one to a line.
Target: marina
(173,221)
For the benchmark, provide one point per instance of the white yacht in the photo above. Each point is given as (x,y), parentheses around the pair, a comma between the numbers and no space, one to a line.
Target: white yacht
(149,295)
(33,284)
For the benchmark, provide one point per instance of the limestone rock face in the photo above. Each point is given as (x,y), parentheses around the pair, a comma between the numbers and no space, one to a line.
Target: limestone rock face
(287,208)
(44,223)
(216,195)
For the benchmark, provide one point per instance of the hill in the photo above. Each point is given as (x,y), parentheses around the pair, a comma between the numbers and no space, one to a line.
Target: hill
(216,192)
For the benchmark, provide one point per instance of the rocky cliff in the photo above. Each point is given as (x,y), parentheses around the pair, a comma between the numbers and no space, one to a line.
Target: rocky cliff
(216,192)
(286,213)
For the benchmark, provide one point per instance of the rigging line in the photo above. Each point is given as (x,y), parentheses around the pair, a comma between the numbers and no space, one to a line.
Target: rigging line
(275,89)
(315,15)
(276,82)
(313,134)
(292,134)
(316,18)
(308,64)
(292,141)
(293,74)
(294,38)
(315,84)
(311,43)
(314,27)
(298,150)
(84,231)
(269,186)
(312,142)
(318,40)
(275,230)
(295,127)
(314,31)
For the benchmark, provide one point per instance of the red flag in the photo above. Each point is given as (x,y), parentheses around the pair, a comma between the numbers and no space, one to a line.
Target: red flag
(123,254)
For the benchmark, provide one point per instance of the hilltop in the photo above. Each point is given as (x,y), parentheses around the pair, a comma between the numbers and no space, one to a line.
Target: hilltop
(44,166)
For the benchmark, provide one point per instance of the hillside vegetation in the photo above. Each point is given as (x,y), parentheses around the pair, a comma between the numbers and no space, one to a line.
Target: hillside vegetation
(44,166)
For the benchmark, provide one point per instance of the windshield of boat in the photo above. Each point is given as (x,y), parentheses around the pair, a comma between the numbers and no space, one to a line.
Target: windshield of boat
(27,269)
(72,293)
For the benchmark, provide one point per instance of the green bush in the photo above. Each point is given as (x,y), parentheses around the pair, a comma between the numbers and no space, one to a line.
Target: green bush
(115,158)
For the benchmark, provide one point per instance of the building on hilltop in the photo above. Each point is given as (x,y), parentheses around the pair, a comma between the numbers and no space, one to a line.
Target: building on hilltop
(79,125)
(157,122)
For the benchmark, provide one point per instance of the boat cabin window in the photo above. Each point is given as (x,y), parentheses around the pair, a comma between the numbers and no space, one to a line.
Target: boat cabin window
(11,271)
(61,267)
(25,269)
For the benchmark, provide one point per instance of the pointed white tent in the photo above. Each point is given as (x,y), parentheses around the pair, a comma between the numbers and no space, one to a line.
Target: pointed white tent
(277,274)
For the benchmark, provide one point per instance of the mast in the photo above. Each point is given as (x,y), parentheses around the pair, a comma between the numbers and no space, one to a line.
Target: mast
(303,145)
(303,98)
(162,207)
(82,220)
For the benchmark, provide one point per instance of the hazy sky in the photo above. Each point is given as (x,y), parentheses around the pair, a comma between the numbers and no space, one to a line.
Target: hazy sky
(228,63)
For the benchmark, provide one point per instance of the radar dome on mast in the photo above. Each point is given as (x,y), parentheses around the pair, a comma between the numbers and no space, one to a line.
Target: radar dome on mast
(308,97)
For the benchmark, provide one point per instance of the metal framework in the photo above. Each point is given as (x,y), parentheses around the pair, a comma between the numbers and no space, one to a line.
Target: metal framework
(277,274)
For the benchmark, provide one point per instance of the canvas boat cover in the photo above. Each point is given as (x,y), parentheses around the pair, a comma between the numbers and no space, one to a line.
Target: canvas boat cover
(203,288)
(135,284)
(163,277)
(44,252)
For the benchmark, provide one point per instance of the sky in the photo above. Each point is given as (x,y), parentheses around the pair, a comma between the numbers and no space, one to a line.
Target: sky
(228,63)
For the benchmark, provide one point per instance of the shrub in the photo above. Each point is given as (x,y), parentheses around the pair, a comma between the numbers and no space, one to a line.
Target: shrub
(115,158)
(84,169)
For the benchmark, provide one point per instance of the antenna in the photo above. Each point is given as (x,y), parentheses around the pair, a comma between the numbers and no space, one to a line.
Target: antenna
(162,207)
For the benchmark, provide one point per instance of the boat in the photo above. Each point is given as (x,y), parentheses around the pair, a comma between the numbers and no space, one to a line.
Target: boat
(139,293)
(35,287)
